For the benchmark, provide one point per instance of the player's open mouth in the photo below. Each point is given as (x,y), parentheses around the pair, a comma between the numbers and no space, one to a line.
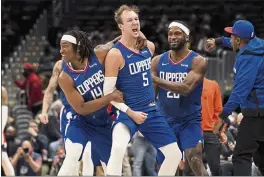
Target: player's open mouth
(135,30)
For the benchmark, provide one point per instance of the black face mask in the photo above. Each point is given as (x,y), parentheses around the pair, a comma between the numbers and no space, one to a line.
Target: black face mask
(26,73)
(10,138)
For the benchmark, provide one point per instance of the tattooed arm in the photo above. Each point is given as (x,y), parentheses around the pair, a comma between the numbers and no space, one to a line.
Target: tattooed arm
(48,96)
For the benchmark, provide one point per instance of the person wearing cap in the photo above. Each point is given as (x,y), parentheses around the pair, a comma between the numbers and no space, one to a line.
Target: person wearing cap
(247,92)
(33,88)
(178,75)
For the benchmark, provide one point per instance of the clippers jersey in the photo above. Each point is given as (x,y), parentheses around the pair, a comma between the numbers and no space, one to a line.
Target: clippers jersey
(135,80)
(89,83)
(175,105)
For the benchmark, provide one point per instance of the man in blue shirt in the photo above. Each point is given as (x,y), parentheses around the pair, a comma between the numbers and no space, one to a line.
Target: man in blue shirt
(247,92)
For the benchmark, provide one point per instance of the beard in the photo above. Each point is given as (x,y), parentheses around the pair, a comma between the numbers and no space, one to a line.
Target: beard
(178,46)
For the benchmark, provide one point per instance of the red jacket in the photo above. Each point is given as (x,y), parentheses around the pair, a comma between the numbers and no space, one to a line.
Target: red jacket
(33,89)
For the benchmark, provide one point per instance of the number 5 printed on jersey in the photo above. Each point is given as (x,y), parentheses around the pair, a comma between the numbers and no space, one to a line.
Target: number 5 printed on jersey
(145,79)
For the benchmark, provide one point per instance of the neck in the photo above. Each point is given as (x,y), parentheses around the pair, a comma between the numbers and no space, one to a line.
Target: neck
(77,65)
(242,45)
(179,55)
(129,41)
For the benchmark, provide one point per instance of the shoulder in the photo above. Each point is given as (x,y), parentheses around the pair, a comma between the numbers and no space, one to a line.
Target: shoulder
(155,60)
(64,79)
(115,54)
(36,155)
(151,47)
(58,64)
(199,62)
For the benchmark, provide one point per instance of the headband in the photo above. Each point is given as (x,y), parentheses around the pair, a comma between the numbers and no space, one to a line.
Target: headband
(181,26)
(69,38)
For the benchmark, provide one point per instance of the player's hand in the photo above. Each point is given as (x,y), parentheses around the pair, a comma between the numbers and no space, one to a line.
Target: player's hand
(137,116)
(44,118)
(222,138)
(141,41)
(209,44)
(117,96)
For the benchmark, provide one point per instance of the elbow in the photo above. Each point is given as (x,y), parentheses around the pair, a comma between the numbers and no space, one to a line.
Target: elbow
(80,110)
(37,169)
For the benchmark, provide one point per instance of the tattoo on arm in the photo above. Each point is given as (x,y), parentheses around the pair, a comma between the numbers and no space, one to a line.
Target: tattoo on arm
(53,83)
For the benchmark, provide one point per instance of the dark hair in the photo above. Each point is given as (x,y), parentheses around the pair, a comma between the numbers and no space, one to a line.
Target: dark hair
(84,44)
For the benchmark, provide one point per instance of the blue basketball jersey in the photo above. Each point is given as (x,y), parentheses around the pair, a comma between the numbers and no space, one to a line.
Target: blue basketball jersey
(135,80)
(174,105)
(89,83)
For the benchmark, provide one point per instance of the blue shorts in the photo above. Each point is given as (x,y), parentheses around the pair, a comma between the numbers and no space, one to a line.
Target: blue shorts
(63,122)
(155,128)
(99,136)
(188,133)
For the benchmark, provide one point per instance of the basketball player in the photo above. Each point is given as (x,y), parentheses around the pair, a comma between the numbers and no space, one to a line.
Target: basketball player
(81,81)
(178,74)
(7,166)
(48,98)
(128,69)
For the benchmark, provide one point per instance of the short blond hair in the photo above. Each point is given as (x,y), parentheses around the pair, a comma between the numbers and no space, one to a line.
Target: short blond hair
(121,9)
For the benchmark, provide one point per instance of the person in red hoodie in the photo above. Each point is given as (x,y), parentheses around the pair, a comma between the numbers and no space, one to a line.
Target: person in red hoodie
(33,88)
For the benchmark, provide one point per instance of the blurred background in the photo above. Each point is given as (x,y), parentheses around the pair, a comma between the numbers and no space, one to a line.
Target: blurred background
(31,32)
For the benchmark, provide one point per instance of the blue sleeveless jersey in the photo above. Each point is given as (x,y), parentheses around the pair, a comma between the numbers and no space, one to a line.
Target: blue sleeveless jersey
(135,80)
(175,105)
(89,83)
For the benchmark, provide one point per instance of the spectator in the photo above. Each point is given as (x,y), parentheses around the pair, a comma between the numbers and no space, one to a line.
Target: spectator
(57,161)
(141,147)
(26,162)
(33,88)
(211,107)
(12,141)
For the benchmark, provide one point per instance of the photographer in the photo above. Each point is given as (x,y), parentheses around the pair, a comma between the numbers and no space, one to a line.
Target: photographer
(57,161)
(26,162)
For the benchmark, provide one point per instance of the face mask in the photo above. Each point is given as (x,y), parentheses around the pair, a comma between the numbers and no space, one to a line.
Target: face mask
(9,138)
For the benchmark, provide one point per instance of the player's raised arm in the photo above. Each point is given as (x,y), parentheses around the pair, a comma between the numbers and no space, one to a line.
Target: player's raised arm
(102,49)
(76,100)
(154,72)
(194,77)
(48,96)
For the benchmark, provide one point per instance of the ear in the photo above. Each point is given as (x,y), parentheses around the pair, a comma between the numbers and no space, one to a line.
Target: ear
(238,40)
(187,38)
(120,26)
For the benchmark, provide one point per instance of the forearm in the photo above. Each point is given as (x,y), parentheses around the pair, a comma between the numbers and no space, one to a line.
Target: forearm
(92,106)
(109,44)
(223,41)
(15,159)
(47,100)
(34,165)
(20,84)
(175,87)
